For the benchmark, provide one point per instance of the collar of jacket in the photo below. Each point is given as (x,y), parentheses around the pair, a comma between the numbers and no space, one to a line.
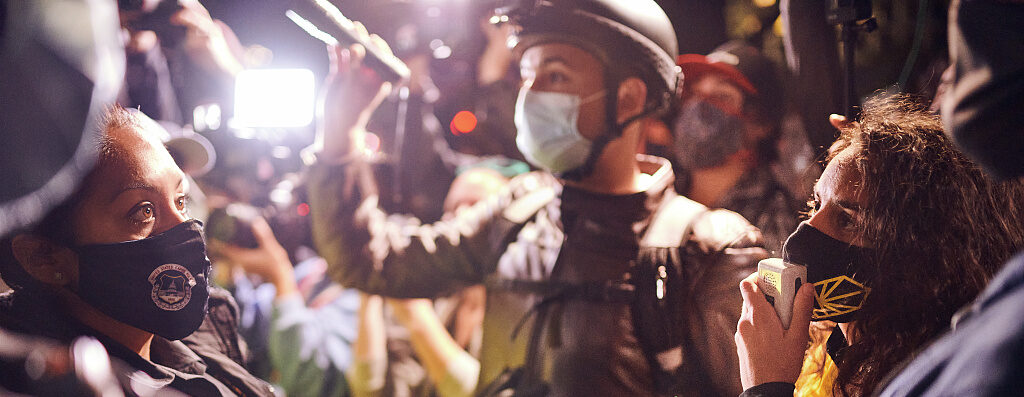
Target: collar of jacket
(635,206)
(44,316)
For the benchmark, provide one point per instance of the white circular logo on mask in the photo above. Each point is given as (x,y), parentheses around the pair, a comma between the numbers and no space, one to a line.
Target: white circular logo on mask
(172,286)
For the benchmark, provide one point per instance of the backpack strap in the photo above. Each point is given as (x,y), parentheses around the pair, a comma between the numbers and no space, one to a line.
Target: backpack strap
(605,291)
(658,276)
(522,381)
(671,225)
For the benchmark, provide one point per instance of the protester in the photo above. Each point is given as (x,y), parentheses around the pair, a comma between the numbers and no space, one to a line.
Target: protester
(555,246)
(904,231)
(726,137)
(122,261)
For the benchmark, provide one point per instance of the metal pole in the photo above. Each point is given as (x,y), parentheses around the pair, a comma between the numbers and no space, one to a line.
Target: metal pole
(400,125)
(850,102)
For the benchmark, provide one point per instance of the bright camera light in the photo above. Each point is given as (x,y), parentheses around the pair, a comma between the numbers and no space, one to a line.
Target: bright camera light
(274,98)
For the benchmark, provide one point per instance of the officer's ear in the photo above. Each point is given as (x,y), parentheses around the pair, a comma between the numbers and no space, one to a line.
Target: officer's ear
(44,260)
(631,100)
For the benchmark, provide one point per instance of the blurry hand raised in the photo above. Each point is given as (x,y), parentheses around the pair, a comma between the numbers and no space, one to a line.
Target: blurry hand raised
(207,40)
(351,93)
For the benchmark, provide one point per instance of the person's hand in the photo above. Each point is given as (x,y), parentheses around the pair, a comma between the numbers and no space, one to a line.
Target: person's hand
(206,40)
(351,94)
(409,312)
(767,352)
(497,33)
(839,122)
(495,61)
(269,260)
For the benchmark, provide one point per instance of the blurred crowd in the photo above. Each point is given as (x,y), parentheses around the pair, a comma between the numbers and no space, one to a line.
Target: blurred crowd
(560,198)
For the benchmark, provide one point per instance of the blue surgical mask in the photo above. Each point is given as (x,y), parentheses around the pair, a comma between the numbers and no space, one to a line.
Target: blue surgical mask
(547,132)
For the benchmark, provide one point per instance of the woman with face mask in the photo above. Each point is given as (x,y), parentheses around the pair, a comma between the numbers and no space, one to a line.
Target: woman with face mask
(904,231)
(123,262)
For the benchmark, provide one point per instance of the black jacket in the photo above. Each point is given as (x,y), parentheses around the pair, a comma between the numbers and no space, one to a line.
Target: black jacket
(586,347)
(207,363)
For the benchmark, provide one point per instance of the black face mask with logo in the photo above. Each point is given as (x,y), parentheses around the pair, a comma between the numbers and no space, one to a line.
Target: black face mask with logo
(158,284)
(834,267)
(837,270)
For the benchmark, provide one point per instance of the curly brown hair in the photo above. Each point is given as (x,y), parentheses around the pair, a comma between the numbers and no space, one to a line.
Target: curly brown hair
(939,228)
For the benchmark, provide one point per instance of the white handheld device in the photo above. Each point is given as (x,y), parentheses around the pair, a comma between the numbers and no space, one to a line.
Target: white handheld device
(779,280)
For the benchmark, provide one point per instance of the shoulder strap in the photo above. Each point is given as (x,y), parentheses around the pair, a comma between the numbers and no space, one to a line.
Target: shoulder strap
(673,222)
(658,274)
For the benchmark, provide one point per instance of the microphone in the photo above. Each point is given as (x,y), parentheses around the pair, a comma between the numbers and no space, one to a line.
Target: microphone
(324,21)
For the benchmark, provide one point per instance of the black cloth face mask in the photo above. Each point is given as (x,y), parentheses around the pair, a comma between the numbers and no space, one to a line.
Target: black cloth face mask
(834,267)
(706,136)
(158,284)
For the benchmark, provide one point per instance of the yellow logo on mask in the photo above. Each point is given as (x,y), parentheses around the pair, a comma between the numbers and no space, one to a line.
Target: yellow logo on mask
(837,296)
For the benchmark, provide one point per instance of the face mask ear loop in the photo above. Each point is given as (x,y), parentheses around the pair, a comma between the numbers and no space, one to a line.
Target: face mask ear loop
(602,140)
(593,97)
(588,166)
(613,129)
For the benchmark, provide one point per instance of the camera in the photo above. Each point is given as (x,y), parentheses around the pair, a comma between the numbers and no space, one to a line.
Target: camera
(288,218)
(233,224)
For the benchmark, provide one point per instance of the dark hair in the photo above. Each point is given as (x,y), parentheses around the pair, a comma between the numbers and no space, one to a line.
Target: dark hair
(939,229)
(56,225)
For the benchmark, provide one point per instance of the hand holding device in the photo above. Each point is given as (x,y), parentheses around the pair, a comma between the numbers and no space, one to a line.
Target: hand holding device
(768,352)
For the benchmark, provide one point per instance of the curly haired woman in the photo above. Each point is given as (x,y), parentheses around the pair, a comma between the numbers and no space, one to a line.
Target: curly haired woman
(904,231)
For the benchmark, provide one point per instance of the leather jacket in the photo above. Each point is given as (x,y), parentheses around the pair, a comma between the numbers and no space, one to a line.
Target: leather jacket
(540,229)
(209,362)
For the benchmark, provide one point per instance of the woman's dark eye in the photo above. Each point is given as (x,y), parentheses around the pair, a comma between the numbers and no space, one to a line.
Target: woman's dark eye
(143,213)
(182,204)
(843,219)
(846,220)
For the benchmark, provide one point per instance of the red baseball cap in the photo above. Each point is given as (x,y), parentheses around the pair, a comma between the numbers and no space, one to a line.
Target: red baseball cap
(744,66)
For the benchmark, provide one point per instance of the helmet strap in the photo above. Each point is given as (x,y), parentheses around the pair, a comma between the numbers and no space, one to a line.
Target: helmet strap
(613,129)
